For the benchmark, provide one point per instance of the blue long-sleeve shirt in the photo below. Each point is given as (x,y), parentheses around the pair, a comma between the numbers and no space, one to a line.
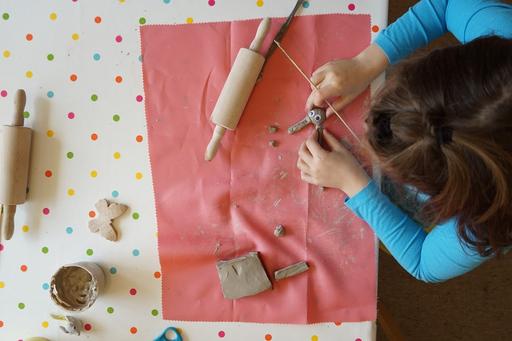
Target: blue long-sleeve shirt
(438,255)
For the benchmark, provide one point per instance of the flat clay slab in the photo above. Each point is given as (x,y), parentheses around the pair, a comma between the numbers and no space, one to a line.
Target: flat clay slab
(291,270)
(243,276)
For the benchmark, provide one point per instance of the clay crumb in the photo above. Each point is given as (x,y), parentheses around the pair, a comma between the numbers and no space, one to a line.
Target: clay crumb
(236,206)
(272,129)
(279,231)
(322,188)
(272,143)
(216,248)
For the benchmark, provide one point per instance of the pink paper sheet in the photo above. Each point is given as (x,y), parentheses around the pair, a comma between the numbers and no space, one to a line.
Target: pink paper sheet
(250,187)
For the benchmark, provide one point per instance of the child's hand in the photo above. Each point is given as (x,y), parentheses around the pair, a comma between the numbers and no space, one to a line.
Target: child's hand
(346,79)
(337,168)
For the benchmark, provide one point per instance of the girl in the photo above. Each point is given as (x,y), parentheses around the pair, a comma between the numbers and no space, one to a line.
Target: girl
(442,125)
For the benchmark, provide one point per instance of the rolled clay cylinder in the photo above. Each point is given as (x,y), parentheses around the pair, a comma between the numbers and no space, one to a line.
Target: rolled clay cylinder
(14,164)
(237,89)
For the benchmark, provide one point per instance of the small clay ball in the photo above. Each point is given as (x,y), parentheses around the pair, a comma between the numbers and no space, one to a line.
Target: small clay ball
(272,129)
(272,143)
(279,231)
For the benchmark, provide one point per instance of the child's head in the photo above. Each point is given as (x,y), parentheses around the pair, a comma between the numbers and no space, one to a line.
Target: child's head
(443,124)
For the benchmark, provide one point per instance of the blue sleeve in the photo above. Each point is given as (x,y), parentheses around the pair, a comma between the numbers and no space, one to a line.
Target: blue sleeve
(430,19)
(433,257)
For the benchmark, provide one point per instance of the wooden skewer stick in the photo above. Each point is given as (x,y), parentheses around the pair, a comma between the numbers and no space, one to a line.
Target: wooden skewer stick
(314,86)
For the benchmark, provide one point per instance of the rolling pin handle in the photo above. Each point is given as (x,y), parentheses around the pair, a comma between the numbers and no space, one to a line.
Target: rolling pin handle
(213,146)
(8,221)
(20,99)
(261,33)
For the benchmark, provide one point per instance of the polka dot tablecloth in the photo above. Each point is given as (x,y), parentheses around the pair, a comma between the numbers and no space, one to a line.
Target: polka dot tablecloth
(79,62)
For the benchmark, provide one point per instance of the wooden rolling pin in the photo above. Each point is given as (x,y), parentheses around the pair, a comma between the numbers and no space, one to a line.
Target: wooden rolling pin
(237,89)
(14,161)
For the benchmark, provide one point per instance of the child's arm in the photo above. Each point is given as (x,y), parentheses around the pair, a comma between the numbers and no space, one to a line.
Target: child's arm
(434,257)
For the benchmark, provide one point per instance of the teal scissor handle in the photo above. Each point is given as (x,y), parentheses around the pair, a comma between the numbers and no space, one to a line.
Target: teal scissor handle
(162,337)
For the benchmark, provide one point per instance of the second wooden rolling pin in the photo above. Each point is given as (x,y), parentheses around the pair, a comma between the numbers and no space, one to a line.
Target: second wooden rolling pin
(14,163)
(237,89)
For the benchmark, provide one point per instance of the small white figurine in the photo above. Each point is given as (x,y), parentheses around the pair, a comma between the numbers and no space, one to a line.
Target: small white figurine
(73,325)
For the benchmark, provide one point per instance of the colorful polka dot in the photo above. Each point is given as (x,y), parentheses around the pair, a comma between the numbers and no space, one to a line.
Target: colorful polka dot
(268,337)
(157,274)
(135,216)
(2,285)
(71,115)
(110,310)
(92,214)
(190,20)
(45,324)
(50,57)
(25,228)
(211,2)
(23,268)
(337,323)
(73,78)
(89,252)
(96,56)
(358,339)
(46,211)
(113,270)
(71,192)
(70,155)
(21,305)
(94,97)
(154,312)
(3,93)
(351,7)
(1,324)
(29,74)
(142,21)
(167,1)
(26,114)
(133,291)
(87,327)
(139,138)
(305,4)
(138,176)
(75,36)
(5,16)
(135,252)
(46,286)
(1,247)
(139,98)
(69,230)
(7,54)
(44,250)
(116,118)
(115,194)
(117,155)
(222,333)
(375,28)
(53,16)
(50,94)
(94,137)
(133,330)
(119,79)
(94,173)
(119,39)
(259,3)
(29,37)
(48,174)
(314,338)
(49,133)
(97,20)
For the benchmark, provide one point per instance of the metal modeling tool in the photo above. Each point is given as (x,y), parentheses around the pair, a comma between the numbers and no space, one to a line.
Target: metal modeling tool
(162,336)
(279,36)
(314,87)
(317,117)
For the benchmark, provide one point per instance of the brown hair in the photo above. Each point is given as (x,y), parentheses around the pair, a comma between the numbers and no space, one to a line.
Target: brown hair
(443,124)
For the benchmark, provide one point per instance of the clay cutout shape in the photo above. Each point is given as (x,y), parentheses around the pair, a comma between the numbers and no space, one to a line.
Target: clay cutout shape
(73,325)
(279,231)
(291,270)
(243,276)
(103,224)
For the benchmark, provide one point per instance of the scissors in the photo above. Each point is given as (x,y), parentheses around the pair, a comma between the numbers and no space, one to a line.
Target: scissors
(162,337)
